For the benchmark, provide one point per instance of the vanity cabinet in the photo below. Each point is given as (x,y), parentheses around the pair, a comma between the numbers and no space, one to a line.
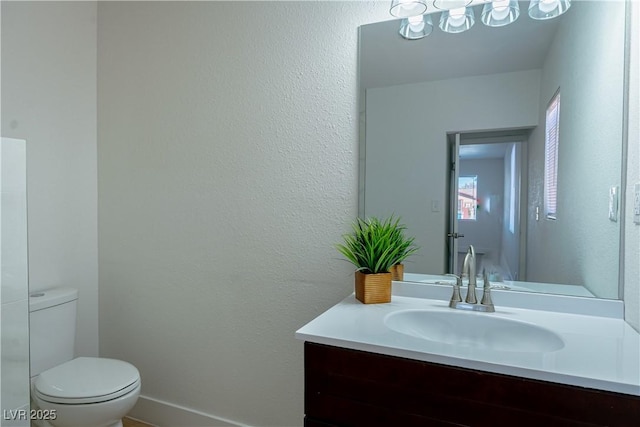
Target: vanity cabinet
(346,387)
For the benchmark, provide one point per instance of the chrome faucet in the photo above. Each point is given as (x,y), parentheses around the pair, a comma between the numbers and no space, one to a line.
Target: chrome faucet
(471,302)
(469,268)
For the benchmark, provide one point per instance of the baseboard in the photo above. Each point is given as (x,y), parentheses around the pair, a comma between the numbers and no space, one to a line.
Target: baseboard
(166,414)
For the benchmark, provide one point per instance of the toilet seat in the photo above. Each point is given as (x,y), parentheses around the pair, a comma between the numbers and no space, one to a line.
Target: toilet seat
(87,380)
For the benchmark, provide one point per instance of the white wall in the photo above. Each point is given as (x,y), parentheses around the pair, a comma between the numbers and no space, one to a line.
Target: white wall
(227,171)
(49,99)
(582,243)
(406,129)
(632,231)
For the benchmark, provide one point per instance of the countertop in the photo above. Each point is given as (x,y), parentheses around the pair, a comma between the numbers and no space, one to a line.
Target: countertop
(600,352)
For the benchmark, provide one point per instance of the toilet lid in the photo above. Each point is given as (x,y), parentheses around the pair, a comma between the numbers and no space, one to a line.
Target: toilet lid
(87,380)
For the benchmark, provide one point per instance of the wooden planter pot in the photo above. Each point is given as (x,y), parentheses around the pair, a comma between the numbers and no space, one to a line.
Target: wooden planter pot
(373,288)
(397,272)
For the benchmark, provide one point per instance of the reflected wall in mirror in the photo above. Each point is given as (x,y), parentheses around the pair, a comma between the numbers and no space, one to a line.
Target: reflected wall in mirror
(494,85)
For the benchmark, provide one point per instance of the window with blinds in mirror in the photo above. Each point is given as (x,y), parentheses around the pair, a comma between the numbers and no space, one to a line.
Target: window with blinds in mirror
(551,140)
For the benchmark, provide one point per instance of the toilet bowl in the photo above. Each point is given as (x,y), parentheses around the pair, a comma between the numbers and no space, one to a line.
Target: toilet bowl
(87,392)
(68,391)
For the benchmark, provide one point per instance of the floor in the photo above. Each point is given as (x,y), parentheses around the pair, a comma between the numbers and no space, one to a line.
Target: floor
(130,422)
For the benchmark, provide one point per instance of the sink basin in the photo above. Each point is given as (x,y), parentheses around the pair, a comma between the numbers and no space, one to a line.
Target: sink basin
(471,329)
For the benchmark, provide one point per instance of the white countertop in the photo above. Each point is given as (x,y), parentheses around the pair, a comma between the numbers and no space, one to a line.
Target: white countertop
(599,352)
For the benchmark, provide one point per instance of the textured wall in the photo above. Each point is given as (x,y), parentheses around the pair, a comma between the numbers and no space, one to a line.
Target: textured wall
(227,170)
(49,99)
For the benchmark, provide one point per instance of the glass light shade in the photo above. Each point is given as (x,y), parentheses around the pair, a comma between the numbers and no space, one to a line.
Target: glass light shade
(407,8)
(547,9)
(500,12)
(457,20)
(416,27)
(450,4)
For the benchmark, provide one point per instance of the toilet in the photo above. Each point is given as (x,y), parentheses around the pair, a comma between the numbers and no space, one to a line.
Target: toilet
(68,391)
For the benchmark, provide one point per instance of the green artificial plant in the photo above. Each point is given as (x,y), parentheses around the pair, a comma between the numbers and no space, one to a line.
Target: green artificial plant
(375,245)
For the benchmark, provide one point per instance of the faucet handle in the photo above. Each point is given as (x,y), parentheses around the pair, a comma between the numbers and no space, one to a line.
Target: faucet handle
(486,295)
(455,297)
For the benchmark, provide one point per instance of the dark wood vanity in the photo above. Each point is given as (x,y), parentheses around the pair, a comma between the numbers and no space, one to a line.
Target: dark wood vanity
(346,387)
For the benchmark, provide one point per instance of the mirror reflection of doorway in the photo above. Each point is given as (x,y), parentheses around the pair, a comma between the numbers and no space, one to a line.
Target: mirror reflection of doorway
(486,204)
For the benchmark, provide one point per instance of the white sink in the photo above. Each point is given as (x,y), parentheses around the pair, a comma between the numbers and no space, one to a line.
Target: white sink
(470,329)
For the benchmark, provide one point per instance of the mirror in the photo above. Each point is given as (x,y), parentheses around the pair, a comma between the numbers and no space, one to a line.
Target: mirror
(490,89)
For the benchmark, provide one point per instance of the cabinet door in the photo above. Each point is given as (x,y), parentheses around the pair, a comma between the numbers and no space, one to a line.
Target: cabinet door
(354,388)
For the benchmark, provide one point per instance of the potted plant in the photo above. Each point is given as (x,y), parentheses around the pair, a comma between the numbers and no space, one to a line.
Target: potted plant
(405,248)
(374,247)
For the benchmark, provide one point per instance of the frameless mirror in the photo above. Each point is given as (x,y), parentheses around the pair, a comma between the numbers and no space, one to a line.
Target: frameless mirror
(453,129)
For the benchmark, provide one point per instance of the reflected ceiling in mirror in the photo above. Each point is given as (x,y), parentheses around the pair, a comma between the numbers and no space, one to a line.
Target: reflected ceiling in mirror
(486,84)
(387,59)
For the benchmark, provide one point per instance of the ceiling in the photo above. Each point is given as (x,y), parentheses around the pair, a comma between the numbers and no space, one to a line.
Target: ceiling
(387,59)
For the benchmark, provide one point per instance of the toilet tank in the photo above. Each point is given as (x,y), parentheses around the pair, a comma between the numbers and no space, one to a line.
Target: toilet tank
(52,328)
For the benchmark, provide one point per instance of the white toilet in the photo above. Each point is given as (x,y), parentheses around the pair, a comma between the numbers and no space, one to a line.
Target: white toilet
(80,392)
